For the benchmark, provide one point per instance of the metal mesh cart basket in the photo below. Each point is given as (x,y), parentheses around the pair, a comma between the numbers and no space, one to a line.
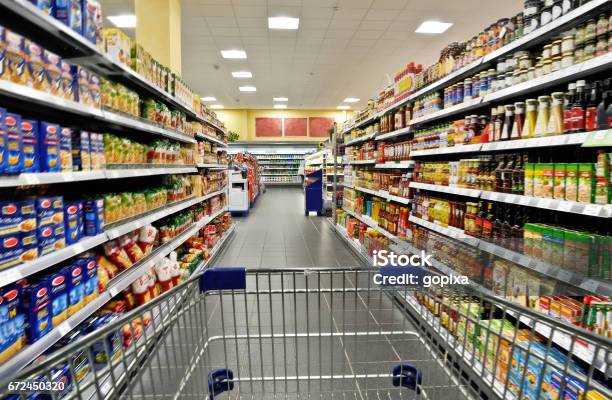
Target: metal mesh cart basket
(278,334)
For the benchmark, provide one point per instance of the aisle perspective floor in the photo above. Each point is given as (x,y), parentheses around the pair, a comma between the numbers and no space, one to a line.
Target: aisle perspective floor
(277,234)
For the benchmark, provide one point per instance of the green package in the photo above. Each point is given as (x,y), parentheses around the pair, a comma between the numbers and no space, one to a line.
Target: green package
(529,172)
(586,182)
(559,182)
(571,182)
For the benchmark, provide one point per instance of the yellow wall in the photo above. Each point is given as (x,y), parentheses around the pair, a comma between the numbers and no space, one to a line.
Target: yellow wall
(158,30)
(243,121)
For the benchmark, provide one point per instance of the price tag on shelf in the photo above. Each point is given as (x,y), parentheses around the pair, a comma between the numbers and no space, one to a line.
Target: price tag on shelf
(545,203)
(590,285)
(565,206)
(564,275)
(592,209)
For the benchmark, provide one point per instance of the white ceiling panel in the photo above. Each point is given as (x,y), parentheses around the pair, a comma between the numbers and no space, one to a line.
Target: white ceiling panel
(342,47)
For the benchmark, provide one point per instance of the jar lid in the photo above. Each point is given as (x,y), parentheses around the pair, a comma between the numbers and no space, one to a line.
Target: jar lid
(556,58)
(543,98)
(548,46)
(556,42)
(519,104)
(568,37)
(568,53)
(531,68)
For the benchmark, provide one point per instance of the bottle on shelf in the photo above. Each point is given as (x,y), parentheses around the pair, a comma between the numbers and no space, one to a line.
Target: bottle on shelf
(497,223)
(498,123)
(543,116)
(604,114)
(501,164)
(518,175)
(569,99)
(508,122)
(591,108)
(555,120)
(519,120)
(507,172)
(579,107)
(487,222)
(531,116)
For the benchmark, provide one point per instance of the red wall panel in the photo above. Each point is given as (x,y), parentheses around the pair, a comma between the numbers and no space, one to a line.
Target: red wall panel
(319,126)
(296,126)
(268,127)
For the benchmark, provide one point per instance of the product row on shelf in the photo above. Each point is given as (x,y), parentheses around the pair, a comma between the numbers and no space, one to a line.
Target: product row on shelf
(496,161)
(280,167)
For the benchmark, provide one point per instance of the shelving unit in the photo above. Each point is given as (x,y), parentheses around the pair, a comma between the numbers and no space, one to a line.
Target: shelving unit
(280,168)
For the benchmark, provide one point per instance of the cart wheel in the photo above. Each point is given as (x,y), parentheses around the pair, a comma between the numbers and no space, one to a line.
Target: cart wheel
(408,376)
(219,381)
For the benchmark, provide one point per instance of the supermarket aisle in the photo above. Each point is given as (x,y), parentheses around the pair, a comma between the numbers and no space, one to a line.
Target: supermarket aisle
(277,234)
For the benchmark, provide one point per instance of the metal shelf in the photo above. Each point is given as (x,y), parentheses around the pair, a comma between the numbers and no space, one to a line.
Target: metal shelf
(466,148)
(211,139)
(393,134)
(121,282)
(380,193)
(396,165)
(89,242)
(25,18)
(593,210)
(360,139)
(216,166)
(540,35)
(371,223)
(360,162)
(107,118)
(593,285)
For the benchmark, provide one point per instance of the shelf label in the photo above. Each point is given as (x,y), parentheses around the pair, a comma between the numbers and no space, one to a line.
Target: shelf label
(564,275)
(590,285)
(591,209)
(565,206)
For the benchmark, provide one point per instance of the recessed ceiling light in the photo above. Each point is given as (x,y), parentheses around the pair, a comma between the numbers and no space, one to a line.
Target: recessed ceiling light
(351,100)
(242,74)
(280,99)
(343,107)
(283,23)
(216,106)
(280,106)
(247,88)
(433,27)
(123,21)
(209,98)
(233,54)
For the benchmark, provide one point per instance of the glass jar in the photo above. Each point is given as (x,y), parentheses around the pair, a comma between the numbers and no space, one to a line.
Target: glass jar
(557,9)
(490,78)
(589,49)
(590,30)
(546,51)
(579,54)
(567,60)
(602,25)
(531,7)
(501,66)
(539,70)
(519,120)
(531,115)
(527,26)
(579,35)
(567,6)
(601,47)
(509,80)
(547,66)
(525,62)
(500,82)
(467,89)
(531,73)
(555,121)
(555,49)
(556,63)
(543,116)
(567,44)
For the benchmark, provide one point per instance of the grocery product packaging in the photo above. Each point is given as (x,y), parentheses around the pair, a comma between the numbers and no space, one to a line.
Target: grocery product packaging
(53,64)
(49,143)
(92,17)
(118,45)
(36,307)
(70,13)
(14,145)
(48,6)
(65,149)
(94,216)
(29,130)
(15,58)
(36,65)
(58,286)
(71,222)
(586,182)
(571,182)
(3,140)
(80,147)
(90,287)
(3,61)
(76,288)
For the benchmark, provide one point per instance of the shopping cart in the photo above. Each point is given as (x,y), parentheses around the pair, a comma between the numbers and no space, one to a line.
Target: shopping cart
(278,334)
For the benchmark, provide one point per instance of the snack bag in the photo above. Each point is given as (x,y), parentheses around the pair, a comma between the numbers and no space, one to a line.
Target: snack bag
(117,255)
(140,288)
(146,238)
(131,248)
(164,273)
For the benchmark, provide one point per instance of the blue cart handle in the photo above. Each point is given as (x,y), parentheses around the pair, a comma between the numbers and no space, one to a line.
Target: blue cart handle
(223,279)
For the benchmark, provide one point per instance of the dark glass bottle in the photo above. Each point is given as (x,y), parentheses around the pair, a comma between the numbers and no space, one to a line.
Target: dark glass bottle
(501,164)
(479,220)
(507,175)
(506,229)
(497,223)
(517,231)
(606,100)
(487,223)
(579,107)
(567,110)
(591,108)
(518,175)
(609,108)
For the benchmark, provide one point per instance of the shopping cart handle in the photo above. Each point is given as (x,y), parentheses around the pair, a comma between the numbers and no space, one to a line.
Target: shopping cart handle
(219,381)
(409,376)
(223,279)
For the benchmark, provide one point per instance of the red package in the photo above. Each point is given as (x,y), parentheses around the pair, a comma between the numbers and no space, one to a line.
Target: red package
(146,238)
(140,289)
(131,248)
(117,255)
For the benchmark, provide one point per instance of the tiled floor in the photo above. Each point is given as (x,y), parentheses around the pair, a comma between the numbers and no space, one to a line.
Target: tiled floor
(277,234)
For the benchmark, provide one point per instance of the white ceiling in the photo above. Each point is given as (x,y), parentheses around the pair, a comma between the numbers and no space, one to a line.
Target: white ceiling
(343,48)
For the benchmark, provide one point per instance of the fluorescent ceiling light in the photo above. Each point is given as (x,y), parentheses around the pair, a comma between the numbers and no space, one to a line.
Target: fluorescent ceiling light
(351,100)
(233,54)
(343,107)
(123,21)
(283,23)
(242,74)
(433,27)
(247,88)
(216,106)
(209,98)
(280,99)
(280,106)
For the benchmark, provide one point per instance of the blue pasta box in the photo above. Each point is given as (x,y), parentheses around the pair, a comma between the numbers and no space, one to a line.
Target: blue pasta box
(16,70)
(10,297)
(29,244)
(10,251)
(65,149)
(76,287)
(81,219)
(94,217)
(27,210)
(54,73)
(29,131)
(36,307)
(58,286)
(49,147)
(45,212)
(48,245)
(3,136)
(36,65)
(12,334)
(81,159)
(80,82)
(48,6)
(92,15)
(70,13)
(91,278)
(14,145)
(68,85)
(79,361)
(10,218)
(113,341)
(72,222)
(3,61)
